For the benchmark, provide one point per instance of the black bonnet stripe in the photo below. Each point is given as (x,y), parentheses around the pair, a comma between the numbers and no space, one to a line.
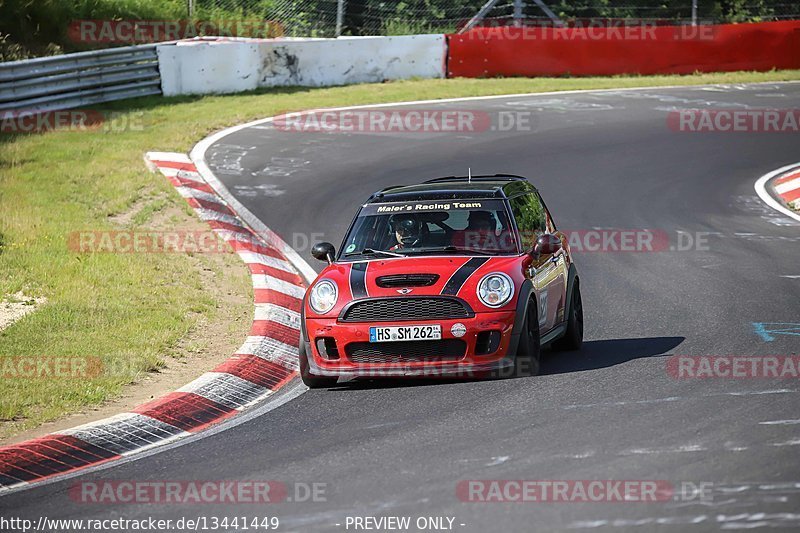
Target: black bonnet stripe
(358,280)
(460,276)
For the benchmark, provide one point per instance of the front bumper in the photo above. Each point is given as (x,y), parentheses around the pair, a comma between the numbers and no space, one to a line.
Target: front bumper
(472,364)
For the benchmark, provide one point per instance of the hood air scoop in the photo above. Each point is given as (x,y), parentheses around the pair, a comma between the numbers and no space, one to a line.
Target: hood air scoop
(407,280)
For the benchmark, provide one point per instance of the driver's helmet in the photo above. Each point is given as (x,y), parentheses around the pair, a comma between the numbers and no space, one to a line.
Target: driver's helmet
(481,220)
(408,228)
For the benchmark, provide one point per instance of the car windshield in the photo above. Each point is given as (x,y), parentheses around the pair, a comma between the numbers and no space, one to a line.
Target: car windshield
(441,227)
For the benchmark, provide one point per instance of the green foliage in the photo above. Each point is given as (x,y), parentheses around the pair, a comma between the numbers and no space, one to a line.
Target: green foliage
(40,26)
(404,27)
(713,11)
(529,214)
(11,51)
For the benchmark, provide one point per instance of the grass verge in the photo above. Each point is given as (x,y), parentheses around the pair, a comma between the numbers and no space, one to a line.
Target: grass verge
(134,311)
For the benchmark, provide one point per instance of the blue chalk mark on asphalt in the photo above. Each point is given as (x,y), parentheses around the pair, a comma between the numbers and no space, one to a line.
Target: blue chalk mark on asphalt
(766,330)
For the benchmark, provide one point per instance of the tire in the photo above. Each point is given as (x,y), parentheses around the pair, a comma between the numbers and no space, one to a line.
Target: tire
(312,381)
(527,361)
(573,337)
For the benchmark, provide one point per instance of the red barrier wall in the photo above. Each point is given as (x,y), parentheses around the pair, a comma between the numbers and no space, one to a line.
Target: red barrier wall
(537,51)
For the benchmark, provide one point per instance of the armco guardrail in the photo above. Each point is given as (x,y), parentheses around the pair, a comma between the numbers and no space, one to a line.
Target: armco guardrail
(76,80)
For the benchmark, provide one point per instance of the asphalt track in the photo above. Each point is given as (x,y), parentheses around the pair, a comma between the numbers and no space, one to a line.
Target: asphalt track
(609,412)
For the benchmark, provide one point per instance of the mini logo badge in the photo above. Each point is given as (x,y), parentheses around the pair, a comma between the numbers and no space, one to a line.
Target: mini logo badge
(458,330)
(404,291)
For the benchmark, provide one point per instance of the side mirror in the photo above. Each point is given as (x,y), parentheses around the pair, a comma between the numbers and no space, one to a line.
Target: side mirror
(547,244)
(324,251)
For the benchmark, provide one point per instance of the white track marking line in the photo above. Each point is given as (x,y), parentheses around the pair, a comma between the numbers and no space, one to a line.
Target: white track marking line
(761,190)
(678,449)
(793,442)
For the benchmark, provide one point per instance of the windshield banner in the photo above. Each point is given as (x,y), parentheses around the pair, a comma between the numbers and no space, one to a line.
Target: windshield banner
(429,206)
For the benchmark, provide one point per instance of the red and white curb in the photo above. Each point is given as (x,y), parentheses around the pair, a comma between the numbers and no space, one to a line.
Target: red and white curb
(265,362)
(780,189)
(788,188)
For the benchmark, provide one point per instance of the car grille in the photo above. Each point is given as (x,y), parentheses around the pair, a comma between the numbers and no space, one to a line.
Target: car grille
(409,308)
(406,352)
(407,280)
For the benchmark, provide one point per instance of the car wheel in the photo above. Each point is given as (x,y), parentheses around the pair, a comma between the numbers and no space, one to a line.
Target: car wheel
(527,360)
(312,381)
(573,338)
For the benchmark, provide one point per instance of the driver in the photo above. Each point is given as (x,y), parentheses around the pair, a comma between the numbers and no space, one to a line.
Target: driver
(479,233)
(482,222)
(408,230)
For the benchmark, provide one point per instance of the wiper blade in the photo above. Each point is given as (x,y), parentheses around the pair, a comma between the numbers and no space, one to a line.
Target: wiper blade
(453,249)
(370,251)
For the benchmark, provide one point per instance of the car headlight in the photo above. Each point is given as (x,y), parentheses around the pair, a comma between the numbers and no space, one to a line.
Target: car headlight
(495,289)
(323,296)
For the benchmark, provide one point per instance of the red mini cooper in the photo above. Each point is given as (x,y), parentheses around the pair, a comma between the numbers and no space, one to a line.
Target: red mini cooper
(457,276)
